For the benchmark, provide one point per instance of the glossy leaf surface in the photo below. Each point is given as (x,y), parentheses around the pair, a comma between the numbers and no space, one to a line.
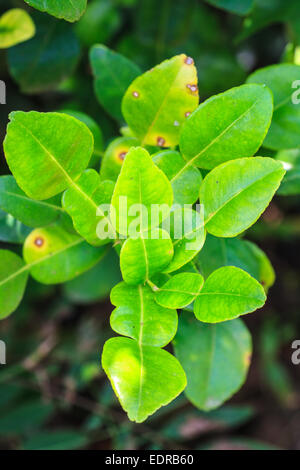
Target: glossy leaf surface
(228,293)
(283,80)
(227,126)
(64,9)
(113,74)
(143,257)
(55,255)
(138,315)
(158,102)
(62,147)
(144,378)
(142,184)
(215,358)
(236,193)
(13,279)
(15,26)
(179,291)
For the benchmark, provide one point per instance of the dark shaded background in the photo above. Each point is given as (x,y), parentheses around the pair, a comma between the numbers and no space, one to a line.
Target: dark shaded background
(53,392)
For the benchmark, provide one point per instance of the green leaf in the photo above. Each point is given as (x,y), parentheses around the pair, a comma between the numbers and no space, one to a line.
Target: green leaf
(158,102)
(236,193)
(113,74)
(188,235)
(100,22)
(11,229)
(15,26)
(218,252)
(228,293)
(227,126)
(40,64)
(82,204)
(137,315)
(290,184)
(31,213)
(13,279)
(144,378)
(63,9)
(240,7)
(185,181)
(114,157)
(284,130)
(142,183)
(95,285)
(61,145)
(54,255)
(145,255)
(93,127)
(215,358)
(179,291)
(56,440)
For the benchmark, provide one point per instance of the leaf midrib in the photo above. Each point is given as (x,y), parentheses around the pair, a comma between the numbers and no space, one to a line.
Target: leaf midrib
(160,108)
(140,342)
(71,182)
(28,266)
(238,193)
(190,162)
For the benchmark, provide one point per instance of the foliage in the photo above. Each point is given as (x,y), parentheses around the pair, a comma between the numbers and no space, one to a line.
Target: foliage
(224,157)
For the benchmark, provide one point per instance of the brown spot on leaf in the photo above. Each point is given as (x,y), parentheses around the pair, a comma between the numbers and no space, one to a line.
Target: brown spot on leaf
(135,94)
(189,61)
(187,114)
(122,155)
(39,242)
(160,141)
(193,88)
(247,358)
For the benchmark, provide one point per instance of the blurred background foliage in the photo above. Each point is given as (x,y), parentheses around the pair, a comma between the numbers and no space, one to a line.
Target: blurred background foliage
(53,393)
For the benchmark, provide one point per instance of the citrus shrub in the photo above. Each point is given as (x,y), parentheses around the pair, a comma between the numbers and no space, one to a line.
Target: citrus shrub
(173,154)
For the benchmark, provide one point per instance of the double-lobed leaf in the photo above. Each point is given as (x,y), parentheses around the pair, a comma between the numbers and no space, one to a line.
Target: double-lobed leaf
(46,152)
(16,26)
(215,359)
(70,10)
(13,279)
(144,378)
(228,293)
(140,189)
(227,126)
(179,291)
(158,102)
(283,80)
(138,316)
(113,74)
(28,211)
(185,180)
(236,193)
(145,255)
